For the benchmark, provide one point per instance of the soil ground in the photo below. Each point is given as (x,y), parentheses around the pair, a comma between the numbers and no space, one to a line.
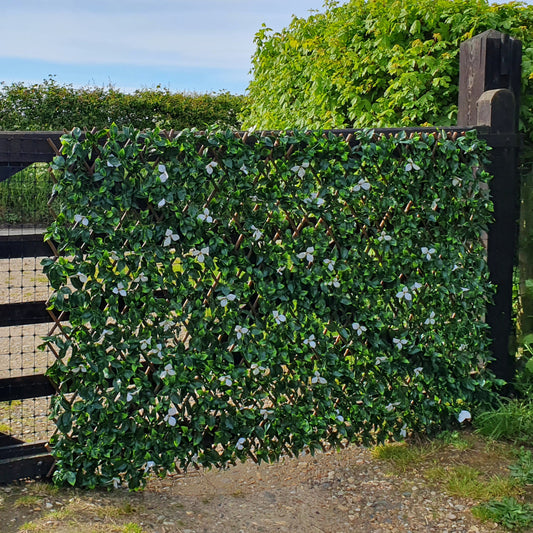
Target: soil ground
(333,492)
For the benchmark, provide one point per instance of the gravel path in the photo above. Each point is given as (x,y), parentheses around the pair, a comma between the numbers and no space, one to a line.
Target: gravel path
(335,492)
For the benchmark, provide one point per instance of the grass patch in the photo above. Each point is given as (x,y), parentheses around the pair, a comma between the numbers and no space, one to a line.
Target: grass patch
(467,482)
(27,500)
(403,457)
(456,439)
(492,474)
(512,421)
(132,528)
(24,196)
(508,512)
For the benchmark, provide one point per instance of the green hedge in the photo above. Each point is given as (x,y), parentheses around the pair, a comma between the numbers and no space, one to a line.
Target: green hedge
(50,106)
(377,63)
(232,299)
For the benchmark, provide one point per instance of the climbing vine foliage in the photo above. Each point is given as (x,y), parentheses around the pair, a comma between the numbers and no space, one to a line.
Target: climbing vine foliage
(223,297)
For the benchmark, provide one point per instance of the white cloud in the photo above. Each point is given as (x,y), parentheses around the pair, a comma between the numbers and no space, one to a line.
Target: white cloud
(164,33)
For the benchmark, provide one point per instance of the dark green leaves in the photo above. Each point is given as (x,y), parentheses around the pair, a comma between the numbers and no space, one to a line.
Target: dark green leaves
(230,299)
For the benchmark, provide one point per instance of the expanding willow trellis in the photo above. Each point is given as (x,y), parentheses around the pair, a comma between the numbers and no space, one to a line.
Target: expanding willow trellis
(496,113)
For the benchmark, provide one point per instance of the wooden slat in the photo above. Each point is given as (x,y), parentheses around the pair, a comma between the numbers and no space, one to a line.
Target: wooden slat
(8,440)
(19,314)
(22,387)
(22,449)
(32,466)
(6,171)
(19,147)
(15,243)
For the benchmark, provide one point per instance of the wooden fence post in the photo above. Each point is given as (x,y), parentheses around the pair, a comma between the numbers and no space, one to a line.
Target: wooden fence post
(489,90)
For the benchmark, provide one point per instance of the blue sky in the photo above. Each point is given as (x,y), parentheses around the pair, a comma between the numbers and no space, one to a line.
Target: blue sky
(182,45)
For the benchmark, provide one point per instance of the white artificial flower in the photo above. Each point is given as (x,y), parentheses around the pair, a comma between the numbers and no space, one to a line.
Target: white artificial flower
(200,254)
(278,317)
(380,360)
(157,351)
(161,202)
(163,175)
(335,282)
(400,343)
(83,220)
(431,320)
(357,327)
(169,417)
(411,165)
(339,417)
(330,264)
(455,267)
(226,380)
(427,252)
(417,371)
(168,371)
(244,169)
(167,324)
(205,216)
(384,237)
(314,198)
(361,184)
(116,480)
(141,278)
(240,444)
(145,343)
(257,369)
(82,277)
(224,300)
(310,341)
(308,254)
(415,286)
(456,181)
(281,269)
(129,397)
(149,466)
(257,233)
(392,406)
(404,293)
(300,169)
(464,415)
(318,378)
(80,368)
(120,289)
(169,237)
(266,413)
(403,431)
(241,331)
(210,167)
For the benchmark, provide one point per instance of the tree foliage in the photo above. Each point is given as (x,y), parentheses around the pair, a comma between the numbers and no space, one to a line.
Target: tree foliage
(372,63)
(51,106)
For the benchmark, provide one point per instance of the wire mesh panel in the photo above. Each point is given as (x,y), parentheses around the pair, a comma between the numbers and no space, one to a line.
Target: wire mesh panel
(24,215)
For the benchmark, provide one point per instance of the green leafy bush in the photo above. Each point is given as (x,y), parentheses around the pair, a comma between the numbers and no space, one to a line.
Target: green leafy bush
(376,63)
(50,106)
(235,297)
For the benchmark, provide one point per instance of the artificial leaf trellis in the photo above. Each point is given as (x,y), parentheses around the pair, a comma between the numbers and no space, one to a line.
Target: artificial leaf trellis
(232,297)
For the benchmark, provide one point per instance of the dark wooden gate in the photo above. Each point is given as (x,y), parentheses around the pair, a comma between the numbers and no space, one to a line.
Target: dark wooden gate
(24,389)
(488,102)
